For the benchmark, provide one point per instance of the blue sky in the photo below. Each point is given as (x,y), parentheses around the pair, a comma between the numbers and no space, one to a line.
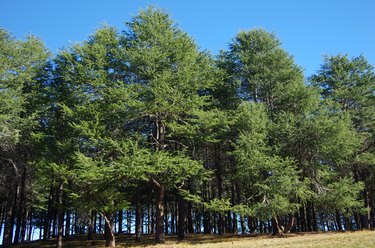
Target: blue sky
(307,29)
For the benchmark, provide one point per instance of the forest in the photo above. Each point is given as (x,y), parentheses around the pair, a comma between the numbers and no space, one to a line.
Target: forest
(140,131)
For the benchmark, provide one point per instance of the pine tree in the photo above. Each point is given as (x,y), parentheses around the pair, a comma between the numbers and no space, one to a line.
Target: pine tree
(167,74)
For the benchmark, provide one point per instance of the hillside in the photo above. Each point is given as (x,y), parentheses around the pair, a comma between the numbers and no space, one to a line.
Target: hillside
(328,239)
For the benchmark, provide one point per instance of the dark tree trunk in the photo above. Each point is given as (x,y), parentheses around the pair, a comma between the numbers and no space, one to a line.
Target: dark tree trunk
(152,220)
(128,221)
(242,223)
(90,227)
(67,223)
(138,222)
(309,217)
(9,217)
(190,224)
(251,223)
(207,222)
(302,215)
(21,206)
(290,223)
(364,219)
(173,219)
(234,224)
(109,231)
(219,179)
(30,230)
(277,226)
(166,222)
(338,220)
(47,217)
(2,214)
(120,220)
(60,217)
(100,224)
(24,226)
(348,224)
(181,217)
(160,192)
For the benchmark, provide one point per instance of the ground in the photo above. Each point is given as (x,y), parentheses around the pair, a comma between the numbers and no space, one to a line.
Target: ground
(319,240)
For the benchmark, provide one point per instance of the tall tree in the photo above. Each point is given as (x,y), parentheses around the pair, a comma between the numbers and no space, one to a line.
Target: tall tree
(351,84)
(167,76)
(21,72)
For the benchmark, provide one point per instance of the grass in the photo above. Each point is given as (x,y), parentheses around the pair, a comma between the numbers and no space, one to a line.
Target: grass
(300,240)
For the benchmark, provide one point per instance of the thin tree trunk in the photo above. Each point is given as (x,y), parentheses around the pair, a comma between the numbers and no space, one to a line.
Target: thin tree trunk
(60,217)
(120,220)
(90,228)
(189,217)
(338,220)
(242,223)
(67,223)
(30,230)
(24,226)
(138,222)
(129,221)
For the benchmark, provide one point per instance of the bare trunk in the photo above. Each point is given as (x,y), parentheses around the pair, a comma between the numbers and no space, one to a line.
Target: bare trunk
(67,224)
(159,235)
(8,224)
(290,224)
(109,231)
(277,227)
(181,217)
(120,220)
(138,222)
(90,228)
(60,218)
(10,205)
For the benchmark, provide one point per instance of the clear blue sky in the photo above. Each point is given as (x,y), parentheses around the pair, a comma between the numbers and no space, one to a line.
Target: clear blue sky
(307,29)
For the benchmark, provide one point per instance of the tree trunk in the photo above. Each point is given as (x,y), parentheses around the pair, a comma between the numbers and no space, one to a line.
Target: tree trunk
(242,223)
(160,192)
(10,205)
(90,228)
(338,220)
(60,217)
(109,232)
(290,224)
(181,217)
(24,226)
(189,217)
(138,222)
(277,227)
(67,223)
(120,220)
(128,221)
(8,224)
(30,230)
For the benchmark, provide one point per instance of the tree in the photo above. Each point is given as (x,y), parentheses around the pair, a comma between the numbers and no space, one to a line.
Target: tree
(350,84)
(272,184)
(21,70)
(166,75)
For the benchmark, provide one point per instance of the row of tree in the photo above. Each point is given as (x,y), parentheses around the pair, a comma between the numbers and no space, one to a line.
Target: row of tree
(141,132)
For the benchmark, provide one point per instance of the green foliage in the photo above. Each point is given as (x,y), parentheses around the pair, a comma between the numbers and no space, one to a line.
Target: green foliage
(342,195)
(21,65)
(272,183)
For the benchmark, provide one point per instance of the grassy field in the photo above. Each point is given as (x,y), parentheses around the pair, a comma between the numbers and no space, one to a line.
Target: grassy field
(337,239)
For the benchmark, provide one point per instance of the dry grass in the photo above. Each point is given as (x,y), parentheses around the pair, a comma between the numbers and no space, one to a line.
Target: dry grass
(302,240)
